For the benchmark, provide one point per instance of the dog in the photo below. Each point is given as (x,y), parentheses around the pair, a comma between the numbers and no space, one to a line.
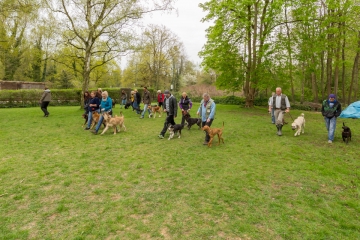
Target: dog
(113,122)
(95,119)
(127,105)
(299,125)
(346,133)
(154,109)
(175,129)
(113,103)
(191,121)
(85,116)
(213,132)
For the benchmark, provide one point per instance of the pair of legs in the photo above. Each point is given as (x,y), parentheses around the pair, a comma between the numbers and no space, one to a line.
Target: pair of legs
(272,115)
(136,107)
(90,118)
(44,106)
(279,117)
(169,119)
(207,137)
(145,108)
(123,102)
(330,127)
(183,118)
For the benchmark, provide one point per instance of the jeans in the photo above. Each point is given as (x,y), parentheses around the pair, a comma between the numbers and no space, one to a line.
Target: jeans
(123,102)
(136,107)
(207,137)
(145,108)
(330,127)
(90,117)
(99,123)
(169,119)
(273,115)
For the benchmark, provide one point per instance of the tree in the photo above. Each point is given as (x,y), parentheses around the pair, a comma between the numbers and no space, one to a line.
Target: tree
(100,30)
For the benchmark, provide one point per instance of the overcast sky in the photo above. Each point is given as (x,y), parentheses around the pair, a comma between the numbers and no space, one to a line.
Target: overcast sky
(186,24)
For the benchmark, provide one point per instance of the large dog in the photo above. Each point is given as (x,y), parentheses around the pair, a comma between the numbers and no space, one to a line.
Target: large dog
(154,110)
(299,125)
(175,129)
(213,132)
(85,116)
(127,105)
(191,121)
(113,122)
(95,119)
(346,134)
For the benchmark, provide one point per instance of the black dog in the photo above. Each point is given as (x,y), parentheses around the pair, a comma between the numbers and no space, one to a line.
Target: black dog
(113,103)
(85,116)
(175,129)
(127,105)
(192,121)
(346,134)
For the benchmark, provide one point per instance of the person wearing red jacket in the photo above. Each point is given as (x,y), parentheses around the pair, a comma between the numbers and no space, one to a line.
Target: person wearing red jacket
(160,98)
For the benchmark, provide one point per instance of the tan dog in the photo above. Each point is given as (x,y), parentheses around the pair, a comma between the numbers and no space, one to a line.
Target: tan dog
(299,125)
(154,110)
(212,132)
(95,119)
(113,122)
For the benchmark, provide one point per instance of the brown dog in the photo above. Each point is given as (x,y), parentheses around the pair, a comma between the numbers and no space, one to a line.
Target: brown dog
(95,119)
(212,132)
(114,122)
(154,110)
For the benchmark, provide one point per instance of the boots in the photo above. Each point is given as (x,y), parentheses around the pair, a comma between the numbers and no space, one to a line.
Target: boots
(279,127)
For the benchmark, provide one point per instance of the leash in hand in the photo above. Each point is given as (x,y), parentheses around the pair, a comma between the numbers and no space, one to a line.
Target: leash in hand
(290,116)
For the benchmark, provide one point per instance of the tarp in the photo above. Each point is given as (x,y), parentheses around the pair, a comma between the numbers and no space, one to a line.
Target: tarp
(352,111)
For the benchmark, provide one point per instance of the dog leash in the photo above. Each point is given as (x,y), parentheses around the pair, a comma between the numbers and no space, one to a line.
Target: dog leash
(290,116)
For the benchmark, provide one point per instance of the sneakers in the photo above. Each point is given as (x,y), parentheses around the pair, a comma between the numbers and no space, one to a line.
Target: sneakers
(94,132)
(161,136)
(141,117)
(329,141)
(86,128)
(205,143)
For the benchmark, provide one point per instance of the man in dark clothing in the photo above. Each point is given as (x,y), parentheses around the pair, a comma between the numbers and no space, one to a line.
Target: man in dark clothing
(170,107)
(137,101)
(330,110)
(146,101)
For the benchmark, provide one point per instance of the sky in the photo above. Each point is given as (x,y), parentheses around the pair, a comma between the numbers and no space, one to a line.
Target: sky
(186,23)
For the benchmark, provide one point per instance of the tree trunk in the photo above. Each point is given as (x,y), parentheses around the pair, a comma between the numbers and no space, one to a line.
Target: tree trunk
(343,65)
(290,56)
(313,81)
(355,70)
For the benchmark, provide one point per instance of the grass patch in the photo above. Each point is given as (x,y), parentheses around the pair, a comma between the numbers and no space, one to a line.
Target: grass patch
(58,181)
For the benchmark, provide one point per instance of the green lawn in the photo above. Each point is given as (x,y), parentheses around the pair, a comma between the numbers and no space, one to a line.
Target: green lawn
(58,181)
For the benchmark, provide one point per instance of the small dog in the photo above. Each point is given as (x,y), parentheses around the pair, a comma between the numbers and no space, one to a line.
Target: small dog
(154,110)
(299,125)
(175,129)
(114,122)
(346,133)
(212,132)
(113,103)
(191,121)
(85,116)
(127,105)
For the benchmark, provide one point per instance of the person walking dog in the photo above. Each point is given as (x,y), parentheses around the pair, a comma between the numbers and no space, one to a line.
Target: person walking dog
(330,110)
(45,100)
(281,104)
(206,112)
(170,107)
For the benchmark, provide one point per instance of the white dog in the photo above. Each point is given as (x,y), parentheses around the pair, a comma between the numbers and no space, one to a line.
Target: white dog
(299,125)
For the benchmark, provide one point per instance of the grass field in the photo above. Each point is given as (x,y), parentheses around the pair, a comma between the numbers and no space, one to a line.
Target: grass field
(58,181)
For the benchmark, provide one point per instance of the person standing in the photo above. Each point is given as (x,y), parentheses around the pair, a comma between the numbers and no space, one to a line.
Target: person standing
(137,101)
(281,104)
(98,93)
(93,106)
(272,109)
(160,98)
(105,106)
(170,107)
(45,100)
(123,98)
(185,105)
(206,112)
(87,98)
(146,101)
(330,110)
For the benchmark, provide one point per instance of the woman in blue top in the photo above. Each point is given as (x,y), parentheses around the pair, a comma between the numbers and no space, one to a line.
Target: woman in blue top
(105,106)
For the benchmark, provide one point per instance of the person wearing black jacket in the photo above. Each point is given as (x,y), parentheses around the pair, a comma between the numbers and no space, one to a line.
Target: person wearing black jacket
(330,110)
(185,105)
(137,101)
(170,107)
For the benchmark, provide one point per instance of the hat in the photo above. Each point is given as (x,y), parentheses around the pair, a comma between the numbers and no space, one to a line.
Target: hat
(166,92)
(332,96)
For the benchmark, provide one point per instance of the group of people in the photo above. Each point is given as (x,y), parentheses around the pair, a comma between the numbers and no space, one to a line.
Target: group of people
(279,105)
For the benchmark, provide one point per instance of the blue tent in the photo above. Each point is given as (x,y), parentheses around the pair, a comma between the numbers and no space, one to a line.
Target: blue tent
(352,111)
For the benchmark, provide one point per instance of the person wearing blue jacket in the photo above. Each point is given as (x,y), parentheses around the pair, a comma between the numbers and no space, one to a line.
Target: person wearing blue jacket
(206,112)
(105,106)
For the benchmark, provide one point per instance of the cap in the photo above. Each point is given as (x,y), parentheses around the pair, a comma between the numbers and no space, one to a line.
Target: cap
(332,96)
(166,92)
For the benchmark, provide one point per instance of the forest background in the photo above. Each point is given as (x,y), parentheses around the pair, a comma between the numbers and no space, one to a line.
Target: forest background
(308,47)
